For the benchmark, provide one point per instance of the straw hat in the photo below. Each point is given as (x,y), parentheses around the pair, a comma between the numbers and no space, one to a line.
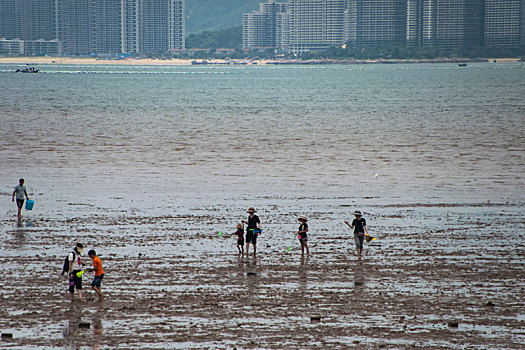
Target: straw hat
(251,210)
(358,213)
(302,217)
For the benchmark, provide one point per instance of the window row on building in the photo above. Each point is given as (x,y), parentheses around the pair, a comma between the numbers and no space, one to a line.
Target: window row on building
(86,27)
(302,25)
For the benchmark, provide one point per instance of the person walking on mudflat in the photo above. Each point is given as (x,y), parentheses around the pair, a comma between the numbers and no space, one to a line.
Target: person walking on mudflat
(75,271)
(99,273)
(20,192)
(302,235)
(254,225)
(359,227)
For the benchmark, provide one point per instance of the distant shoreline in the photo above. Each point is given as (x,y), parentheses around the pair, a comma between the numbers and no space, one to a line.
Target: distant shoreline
(188,62)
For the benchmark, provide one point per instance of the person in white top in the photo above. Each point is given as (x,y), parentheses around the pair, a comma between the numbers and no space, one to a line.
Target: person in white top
(75,271)
(20,192)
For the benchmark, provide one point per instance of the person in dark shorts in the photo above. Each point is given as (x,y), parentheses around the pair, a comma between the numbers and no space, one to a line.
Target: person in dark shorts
(359,227)
(19,193)
(302,235)
(240,238)
(75,271)
(99,273)
(254,225)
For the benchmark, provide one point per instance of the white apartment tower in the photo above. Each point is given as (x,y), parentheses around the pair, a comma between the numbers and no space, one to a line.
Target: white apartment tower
(315,24)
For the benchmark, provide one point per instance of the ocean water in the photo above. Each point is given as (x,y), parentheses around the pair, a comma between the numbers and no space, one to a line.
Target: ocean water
(433,132)
(148,164)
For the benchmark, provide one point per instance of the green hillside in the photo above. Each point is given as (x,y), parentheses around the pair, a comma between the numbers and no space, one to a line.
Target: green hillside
(212,15)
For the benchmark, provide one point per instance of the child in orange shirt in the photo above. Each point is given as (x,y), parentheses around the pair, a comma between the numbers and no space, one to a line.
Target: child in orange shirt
(99,273)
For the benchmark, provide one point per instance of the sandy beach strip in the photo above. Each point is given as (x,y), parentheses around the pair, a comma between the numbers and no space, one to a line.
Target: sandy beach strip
(188,62)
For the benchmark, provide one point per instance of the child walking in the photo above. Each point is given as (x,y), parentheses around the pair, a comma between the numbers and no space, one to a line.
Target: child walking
(359,227)
(240,238)
(99,273)
(302,235)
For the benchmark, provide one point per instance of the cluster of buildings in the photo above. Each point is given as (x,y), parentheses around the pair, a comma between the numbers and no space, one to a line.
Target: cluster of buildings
(91,27)
(298,26)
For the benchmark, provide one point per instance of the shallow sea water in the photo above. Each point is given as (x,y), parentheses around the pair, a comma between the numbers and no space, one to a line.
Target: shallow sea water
(147,164)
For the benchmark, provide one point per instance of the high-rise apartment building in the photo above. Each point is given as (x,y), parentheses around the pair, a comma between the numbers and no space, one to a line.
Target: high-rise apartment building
(266,27)
(458,23)
(130,26)
(522,23)
(107,21)
(502,23)
(32,24)
(378,22)
(152,26)
(85,27)
(315,24)
(77,26)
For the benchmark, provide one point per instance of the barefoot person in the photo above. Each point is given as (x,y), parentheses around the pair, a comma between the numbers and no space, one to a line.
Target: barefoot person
(75,271)
(240,238)
(254,224)
(359,227)
(99,273)
(302,235)
(20,192)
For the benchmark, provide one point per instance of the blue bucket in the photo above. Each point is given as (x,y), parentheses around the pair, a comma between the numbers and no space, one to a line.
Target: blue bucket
(29,204)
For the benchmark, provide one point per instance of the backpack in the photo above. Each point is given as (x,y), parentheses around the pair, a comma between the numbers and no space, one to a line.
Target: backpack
(65,268)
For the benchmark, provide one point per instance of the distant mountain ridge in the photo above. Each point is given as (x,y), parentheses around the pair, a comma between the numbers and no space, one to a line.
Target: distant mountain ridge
(212,15)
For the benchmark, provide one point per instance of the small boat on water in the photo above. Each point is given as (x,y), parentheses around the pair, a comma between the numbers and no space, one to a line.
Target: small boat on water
(28,69)
(462,64)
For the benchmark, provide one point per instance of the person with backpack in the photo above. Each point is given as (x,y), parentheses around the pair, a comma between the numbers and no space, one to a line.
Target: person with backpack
(73,265)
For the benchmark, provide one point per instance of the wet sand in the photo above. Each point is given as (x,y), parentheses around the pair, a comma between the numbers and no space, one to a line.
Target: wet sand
(172,283)
(148,168)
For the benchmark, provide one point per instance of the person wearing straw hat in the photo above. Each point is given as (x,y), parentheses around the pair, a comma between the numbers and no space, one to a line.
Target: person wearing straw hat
(254,224)
(302,234)
(359,227)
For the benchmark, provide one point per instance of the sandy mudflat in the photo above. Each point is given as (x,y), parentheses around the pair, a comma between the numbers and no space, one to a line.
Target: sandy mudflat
(172,283)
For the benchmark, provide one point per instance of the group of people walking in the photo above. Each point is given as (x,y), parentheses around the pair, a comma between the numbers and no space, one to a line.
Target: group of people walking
(254,229)
(74,264)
